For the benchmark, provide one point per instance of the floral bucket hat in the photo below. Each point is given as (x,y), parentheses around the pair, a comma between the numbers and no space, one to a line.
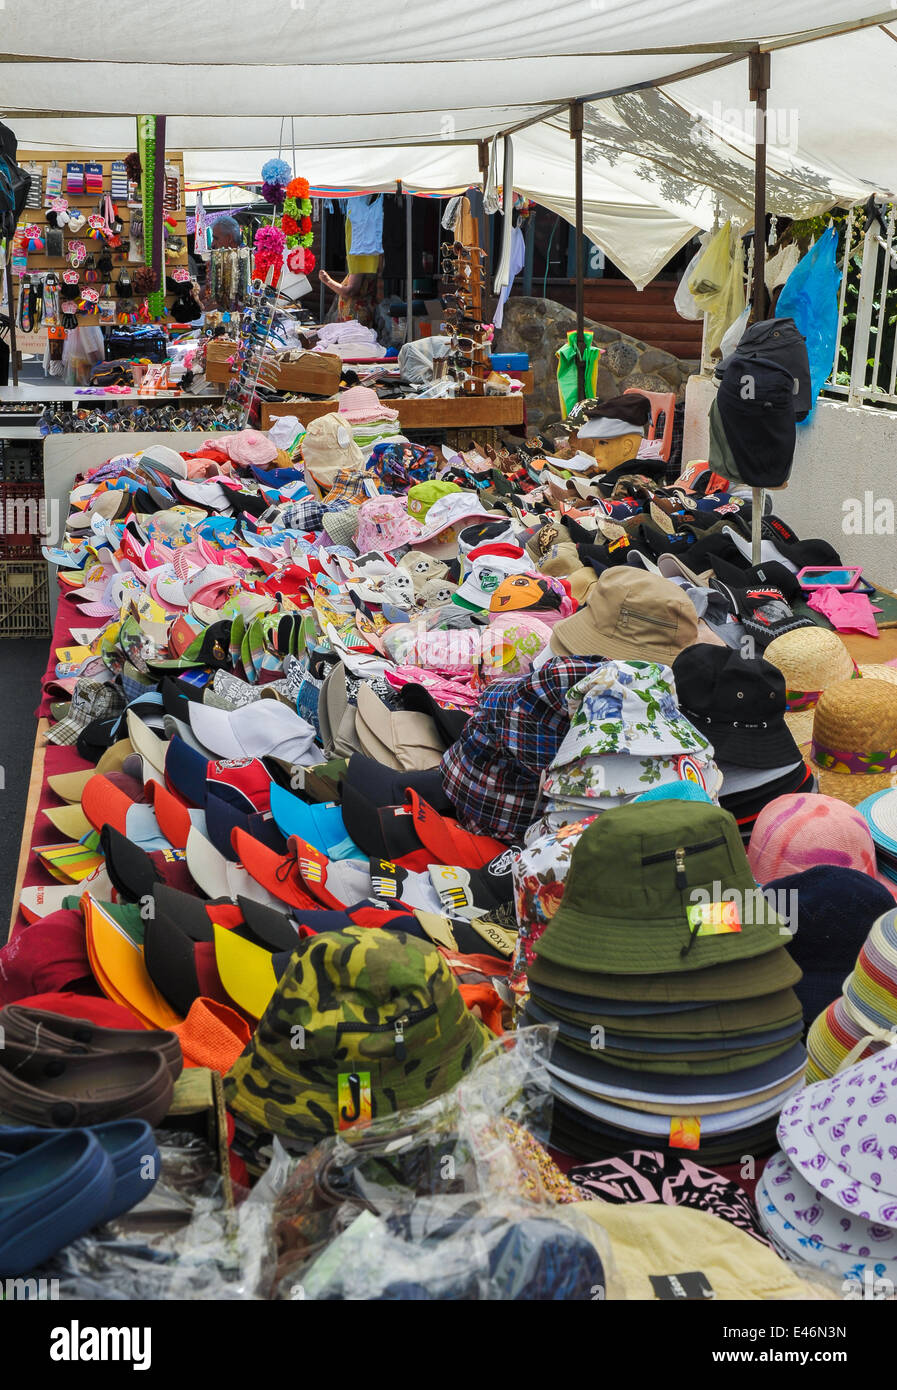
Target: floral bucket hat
(627,707)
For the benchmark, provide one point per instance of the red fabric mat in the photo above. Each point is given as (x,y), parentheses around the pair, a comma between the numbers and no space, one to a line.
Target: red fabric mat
(56,760)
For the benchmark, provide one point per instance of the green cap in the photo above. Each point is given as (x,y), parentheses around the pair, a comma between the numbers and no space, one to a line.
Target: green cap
(637,878)
(422,496)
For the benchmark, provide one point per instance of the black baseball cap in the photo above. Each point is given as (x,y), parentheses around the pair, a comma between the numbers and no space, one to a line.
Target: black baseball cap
(384,786)
(737,703)
(762,609)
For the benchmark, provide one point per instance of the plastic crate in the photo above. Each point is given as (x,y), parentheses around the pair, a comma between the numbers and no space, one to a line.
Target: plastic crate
(21,461)
(24,599)
(20,507)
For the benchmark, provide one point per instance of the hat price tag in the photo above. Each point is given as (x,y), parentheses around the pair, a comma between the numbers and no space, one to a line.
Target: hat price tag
(713,919)
(685,1132)
(353,1100)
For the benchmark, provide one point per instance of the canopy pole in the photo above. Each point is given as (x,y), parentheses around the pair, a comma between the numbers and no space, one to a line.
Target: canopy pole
(576,123)
(759,85)
(409,274)
(322,255)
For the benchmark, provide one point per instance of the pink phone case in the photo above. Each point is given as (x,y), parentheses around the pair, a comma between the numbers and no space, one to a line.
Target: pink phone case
(805,576)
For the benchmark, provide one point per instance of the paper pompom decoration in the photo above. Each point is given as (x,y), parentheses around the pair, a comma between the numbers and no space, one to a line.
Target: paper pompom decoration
(297,188)
(276,171)
(274,193)
(289,225)
(300,261)
(269,249)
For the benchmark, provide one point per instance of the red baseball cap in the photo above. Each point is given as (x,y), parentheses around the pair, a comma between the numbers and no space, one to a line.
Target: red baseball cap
(44,957)
(448,841)
(278,873)
(95,1008)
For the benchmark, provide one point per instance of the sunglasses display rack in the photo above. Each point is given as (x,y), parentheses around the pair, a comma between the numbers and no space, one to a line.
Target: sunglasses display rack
(463,271)
(255,365)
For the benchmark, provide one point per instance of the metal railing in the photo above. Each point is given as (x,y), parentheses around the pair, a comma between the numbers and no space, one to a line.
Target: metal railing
(872,371)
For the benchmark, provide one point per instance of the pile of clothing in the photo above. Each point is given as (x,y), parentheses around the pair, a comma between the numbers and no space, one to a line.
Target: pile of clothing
(366,756)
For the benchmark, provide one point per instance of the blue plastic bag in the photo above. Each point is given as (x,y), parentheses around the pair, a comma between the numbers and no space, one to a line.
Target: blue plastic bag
(810,297)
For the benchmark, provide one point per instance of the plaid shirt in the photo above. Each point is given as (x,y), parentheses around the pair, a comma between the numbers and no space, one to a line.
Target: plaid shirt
(492,774)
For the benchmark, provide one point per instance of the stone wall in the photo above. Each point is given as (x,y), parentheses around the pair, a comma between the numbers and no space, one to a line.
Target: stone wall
(540,326)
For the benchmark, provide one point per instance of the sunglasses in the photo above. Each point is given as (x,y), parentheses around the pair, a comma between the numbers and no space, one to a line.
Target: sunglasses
(473,345)
(462,302)
(457,248)
(468,274)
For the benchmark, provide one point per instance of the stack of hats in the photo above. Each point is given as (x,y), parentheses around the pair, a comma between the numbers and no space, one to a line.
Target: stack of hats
(369,419)
(863,1019)
(665,971)
(626,735)
(828,1198)
(739,704)
(880,814)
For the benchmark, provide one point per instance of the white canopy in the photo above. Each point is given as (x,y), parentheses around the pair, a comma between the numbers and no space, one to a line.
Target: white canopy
(403,93)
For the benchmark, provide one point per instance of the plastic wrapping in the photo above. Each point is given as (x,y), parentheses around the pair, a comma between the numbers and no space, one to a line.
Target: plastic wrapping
(468,1144)
(460,1249)
(83,349)
(416,359)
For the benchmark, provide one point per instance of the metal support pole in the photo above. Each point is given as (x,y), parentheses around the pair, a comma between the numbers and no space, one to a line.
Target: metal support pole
(323,261)
(529,237)
(576,122)
(759,86)
(409,274)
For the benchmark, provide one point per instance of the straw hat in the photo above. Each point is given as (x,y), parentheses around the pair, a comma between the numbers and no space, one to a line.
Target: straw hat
(811,659)
(853,750)
(877,672)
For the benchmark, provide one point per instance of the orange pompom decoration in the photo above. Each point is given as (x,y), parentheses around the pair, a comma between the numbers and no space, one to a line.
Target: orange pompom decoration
(297,188)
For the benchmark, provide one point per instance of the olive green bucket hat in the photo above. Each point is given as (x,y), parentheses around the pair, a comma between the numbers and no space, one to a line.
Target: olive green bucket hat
(639,880)
(743,980)
(363,1023)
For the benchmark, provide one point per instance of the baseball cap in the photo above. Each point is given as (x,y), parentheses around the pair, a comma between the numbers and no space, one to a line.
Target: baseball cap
(91,700)
(69,786)
(447,840)
(253,731)
(488,570)
(384,786)
(221,817)
(115,945)
(384,832)
(173,815)
(320,824)
(246,971)
(135,871)
(52,957)
(401,738)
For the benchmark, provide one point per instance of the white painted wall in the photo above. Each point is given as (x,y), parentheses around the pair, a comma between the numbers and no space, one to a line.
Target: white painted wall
(847,453)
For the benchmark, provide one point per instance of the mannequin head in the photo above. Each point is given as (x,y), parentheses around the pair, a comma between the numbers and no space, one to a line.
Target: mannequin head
(609,453)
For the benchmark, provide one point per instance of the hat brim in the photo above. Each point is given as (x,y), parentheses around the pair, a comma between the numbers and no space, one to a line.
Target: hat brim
(246,971)
(742,979)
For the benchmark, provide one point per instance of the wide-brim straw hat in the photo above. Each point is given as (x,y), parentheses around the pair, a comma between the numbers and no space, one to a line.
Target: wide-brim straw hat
(853,747)
(811,659)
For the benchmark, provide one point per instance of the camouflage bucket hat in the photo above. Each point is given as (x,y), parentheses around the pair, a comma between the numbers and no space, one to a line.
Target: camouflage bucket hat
(363,1023)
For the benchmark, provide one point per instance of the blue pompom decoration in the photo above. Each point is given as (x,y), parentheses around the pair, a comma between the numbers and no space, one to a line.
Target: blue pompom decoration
(276,171)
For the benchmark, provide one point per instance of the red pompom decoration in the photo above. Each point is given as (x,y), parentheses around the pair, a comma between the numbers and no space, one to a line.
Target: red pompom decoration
(289,226)
(305,224)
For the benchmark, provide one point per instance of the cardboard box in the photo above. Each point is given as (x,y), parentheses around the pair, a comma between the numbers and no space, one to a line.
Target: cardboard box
(217,353)
(316,373)
(198,1106)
